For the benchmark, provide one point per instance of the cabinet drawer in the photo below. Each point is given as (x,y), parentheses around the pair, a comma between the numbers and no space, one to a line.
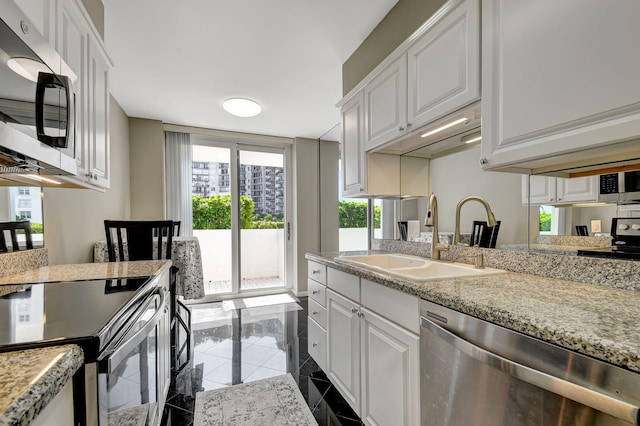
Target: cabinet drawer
(399,307)
(346,284)
(317,272)
(318,313)
(317,292)
(317,343)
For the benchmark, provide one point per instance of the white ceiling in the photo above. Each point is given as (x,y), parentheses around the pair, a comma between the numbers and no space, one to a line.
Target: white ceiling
(178,61)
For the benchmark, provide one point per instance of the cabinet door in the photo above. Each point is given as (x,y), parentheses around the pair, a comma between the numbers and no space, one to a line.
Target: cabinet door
(99,145)
(542,190)
(577,190)
(553,85)
(390,373)
(385,105)
(72,44)
(353,160)
(343,347)
(444,64)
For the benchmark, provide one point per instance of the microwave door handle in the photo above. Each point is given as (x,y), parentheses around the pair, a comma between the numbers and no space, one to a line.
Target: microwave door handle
(590,398)
(124,348)
(51,80)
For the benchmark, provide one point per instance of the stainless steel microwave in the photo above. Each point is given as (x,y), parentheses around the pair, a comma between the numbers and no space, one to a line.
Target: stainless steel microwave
(37,113)
(620,187)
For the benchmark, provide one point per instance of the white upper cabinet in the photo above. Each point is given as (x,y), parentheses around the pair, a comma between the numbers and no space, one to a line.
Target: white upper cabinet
(433,73)
(560,83)
(353,157)
(79,46)
(386,105)
(444,64)
(551,190)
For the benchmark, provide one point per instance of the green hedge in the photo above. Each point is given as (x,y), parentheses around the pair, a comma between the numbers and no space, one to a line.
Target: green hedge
(353,214)
(215,213)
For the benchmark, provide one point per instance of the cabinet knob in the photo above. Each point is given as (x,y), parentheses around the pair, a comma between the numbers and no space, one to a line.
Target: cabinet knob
(360,314)
(354,310)
(315,271)
(401,129)
(408,126)
(314,313)
(484,161)
(314,345)
(314,292)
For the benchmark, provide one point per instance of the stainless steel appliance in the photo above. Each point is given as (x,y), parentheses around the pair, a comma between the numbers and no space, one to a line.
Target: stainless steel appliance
(122,325)
(475,372)
(625,243)
(37,113)
(620,187)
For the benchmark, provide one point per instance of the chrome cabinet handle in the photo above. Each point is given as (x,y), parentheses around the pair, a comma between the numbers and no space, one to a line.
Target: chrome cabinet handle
(559,386)
(360,314)
(315,271)
(354,310)
(314,345)
(483,161)
(401,129)
(408,126)
(314,292)
(314,313)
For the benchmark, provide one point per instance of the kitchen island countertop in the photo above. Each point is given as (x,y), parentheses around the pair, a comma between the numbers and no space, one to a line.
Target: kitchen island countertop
(30,379)
(600,322)
(85,271)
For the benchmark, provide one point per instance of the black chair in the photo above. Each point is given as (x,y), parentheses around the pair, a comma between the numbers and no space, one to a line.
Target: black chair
(176,230)
(140,238)
(483,235)
(13,228)
(582,230)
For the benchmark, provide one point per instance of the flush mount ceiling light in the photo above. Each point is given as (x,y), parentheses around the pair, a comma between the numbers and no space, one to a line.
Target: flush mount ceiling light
(241,107)
(474,137)
(444,127)
(27,68)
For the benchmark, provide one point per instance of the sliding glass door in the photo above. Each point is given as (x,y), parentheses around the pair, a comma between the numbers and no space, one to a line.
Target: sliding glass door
(239,217)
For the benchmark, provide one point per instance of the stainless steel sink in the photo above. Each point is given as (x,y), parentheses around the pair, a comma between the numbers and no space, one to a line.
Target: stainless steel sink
(416,268)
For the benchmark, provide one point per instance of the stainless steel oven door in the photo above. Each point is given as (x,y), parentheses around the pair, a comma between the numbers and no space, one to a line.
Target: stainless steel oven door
(129,382)
(475,372)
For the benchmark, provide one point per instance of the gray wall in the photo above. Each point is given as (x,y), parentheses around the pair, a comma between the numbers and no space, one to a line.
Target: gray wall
(73,218)
(401,21)
(147,169)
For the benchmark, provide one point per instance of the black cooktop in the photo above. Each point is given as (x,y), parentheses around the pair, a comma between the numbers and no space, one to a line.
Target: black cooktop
(87,313)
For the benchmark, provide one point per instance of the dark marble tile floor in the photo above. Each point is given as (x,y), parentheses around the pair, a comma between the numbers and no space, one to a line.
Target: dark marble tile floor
(242,341)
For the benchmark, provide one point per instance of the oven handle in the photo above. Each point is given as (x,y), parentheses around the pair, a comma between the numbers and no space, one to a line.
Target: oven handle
(123,349)
(585,396)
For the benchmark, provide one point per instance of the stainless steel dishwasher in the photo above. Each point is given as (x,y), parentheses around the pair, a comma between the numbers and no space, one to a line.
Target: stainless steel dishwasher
(477,373)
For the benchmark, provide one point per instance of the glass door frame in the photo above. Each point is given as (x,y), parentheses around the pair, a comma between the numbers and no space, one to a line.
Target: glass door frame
(235,146)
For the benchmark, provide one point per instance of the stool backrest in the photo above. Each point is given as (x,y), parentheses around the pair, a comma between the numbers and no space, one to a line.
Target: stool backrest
(13,228)
(140,237)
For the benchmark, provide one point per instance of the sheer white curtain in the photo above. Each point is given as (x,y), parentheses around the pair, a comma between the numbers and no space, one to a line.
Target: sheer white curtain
(178,155)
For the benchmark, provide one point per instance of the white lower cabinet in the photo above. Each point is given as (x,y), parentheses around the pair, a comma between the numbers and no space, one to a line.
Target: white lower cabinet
(371,360)
(343,347)
(390,372)
(58,411)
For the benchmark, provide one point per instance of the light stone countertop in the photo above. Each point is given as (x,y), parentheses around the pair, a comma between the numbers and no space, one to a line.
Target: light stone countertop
(86,271)
(594,320)
(30,379)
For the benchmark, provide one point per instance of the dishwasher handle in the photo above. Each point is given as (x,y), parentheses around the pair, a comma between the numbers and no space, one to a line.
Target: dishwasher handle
(596,400)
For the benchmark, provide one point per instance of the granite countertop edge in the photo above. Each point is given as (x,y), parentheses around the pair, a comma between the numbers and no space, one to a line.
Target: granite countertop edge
(25,407)
(487,307)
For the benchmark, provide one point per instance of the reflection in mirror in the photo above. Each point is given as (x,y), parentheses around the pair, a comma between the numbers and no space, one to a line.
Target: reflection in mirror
(19,203)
